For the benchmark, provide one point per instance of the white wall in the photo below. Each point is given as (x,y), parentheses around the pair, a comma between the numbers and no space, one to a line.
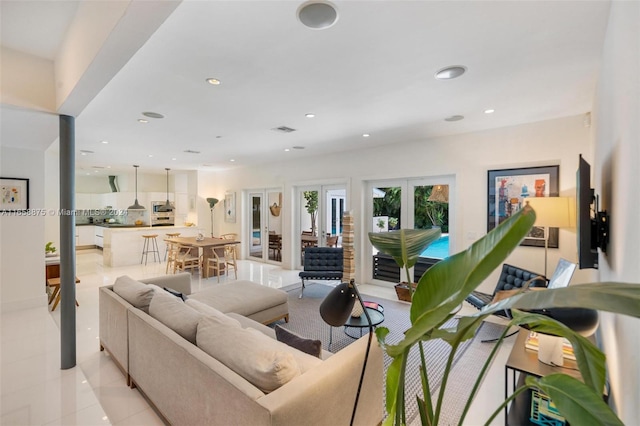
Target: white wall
(617,180)
(22,237)
(468,157)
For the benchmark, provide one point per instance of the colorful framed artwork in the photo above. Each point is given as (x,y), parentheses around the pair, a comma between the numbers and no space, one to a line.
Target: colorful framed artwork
(14,194)
(508,190)
(230,207)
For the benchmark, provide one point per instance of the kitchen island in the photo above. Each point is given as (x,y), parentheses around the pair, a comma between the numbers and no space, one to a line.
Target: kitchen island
(123,245)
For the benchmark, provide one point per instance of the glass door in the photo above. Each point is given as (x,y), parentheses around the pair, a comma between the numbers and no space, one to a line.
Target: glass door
(265,225)
(255,231)
(413,204)
(320,209)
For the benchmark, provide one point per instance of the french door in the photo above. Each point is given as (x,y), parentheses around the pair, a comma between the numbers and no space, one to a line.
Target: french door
(319,211)
(265,225)
(418,203)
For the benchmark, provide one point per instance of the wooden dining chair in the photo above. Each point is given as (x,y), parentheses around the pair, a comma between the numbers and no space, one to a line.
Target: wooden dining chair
(230,259)
(214,262)
(185,259)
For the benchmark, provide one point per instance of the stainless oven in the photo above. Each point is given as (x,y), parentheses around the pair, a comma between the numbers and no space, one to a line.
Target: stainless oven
(162,218)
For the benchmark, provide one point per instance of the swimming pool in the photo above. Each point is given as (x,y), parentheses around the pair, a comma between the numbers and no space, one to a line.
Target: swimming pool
(439,249)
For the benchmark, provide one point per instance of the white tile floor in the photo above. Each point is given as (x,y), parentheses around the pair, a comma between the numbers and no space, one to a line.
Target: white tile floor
(35,391)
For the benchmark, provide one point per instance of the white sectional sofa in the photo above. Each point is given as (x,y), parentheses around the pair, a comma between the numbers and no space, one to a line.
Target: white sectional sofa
(198,366)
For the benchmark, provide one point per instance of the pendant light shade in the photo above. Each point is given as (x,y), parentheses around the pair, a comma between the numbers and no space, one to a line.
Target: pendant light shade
(167,207)
(136,205)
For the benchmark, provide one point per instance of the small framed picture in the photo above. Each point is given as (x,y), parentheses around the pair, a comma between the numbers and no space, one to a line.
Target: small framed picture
(508,190)
(230,207)
(14,194)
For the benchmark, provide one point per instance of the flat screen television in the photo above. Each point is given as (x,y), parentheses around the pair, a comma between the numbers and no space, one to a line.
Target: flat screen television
(587,218)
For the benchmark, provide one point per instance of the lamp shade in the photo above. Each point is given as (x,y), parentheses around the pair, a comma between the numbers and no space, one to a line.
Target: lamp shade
(553,212)
(337,306)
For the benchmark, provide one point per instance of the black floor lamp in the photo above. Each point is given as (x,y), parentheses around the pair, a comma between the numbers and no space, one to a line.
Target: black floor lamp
(335,311)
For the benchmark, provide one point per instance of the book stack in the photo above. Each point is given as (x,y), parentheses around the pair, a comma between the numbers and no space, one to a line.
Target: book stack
(532,344)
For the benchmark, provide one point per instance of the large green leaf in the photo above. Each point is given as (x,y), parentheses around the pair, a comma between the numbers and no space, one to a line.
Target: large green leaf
(575,400)
(446,284)
(404,245)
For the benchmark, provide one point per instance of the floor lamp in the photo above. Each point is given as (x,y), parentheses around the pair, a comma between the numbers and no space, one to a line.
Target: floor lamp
(212,203)
(335,311)
(552,212)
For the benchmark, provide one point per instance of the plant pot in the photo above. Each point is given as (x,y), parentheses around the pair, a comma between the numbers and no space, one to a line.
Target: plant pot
(403,292)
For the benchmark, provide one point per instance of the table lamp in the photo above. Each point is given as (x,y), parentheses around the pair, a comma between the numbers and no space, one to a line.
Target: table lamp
(552,212)
(335,311)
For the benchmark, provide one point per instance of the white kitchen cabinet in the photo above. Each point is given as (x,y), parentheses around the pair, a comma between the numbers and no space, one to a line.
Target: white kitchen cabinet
(85,235)
(83,201)
(99,236)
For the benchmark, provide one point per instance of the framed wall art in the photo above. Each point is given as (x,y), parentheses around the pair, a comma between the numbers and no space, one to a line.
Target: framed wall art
(14,193)
(230,207)
(508,190)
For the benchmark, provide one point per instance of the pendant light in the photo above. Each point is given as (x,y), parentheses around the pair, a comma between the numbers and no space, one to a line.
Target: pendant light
(136,205)
(167,207)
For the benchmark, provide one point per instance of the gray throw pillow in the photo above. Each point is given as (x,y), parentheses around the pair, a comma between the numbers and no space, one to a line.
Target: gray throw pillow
(309,346)
(134,292)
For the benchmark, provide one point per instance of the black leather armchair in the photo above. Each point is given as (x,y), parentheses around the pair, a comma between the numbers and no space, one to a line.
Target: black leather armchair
(511,278)
(321,263)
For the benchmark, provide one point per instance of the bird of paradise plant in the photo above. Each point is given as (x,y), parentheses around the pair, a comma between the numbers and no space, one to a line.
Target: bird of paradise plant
(446,285)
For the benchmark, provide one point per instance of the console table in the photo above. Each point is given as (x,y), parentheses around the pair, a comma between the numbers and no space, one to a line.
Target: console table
(525,361)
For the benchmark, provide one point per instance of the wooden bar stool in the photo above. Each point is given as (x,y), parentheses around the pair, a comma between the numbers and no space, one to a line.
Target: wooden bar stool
(169,236)
(54,285)
(150,246)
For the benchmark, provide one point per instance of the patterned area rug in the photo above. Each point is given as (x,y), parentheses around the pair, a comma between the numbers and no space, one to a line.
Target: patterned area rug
(305,320)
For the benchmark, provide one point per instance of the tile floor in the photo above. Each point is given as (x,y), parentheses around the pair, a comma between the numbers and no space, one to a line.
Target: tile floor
(35,391)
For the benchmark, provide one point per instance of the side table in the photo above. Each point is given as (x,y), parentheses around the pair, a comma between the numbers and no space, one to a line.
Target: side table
(525,361)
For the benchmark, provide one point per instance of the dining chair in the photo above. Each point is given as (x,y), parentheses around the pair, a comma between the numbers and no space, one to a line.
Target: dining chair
(230,259)
(229,236)
(332,241)
(185,259)
(214,262)
(171,254)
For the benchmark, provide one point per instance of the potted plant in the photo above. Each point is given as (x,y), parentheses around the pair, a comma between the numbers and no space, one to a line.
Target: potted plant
(49,249)
(446,285)
(312,207)
(380,224)
(405,246)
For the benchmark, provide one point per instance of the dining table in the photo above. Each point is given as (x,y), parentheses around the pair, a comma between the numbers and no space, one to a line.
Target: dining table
(203,245)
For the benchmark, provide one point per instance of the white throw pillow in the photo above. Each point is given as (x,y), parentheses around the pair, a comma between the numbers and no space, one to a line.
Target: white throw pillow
(210,311)
(257,358)
(134,292)
(173,313)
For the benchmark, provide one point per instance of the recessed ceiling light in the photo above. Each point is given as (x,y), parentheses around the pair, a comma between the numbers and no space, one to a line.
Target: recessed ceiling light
(213,81)
(317,15)
(287,150)
(489,111)
(448,73)
(173,159)
(365,135)
(152,114)
(454,118)
(105,142)
(95,171)
(310,115)
(142,120)
(232,160)
(108,167)
(150,155)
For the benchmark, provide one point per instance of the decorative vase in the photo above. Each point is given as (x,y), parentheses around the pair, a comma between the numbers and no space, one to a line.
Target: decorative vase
(357,309)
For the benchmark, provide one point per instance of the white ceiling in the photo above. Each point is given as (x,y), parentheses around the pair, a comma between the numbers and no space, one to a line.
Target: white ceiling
(372,72)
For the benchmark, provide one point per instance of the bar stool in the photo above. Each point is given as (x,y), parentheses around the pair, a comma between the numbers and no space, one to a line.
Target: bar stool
(169,236)
(150,247)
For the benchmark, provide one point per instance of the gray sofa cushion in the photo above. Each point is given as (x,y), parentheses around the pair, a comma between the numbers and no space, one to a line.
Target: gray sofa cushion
(254,356)
(172,312)
(134,292)
(210,311)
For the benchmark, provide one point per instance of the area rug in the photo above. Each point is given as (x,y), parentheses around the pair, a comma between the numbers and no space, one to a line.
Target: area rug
(305,320)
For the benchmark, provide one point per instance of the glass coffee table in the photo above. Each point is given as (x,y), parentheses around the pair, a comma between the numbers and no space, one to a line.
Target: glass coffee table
(376,314)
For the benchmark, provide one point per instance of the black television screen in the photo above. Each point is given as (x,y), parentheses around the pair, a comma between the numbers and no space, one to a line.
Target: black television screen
(587,233)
